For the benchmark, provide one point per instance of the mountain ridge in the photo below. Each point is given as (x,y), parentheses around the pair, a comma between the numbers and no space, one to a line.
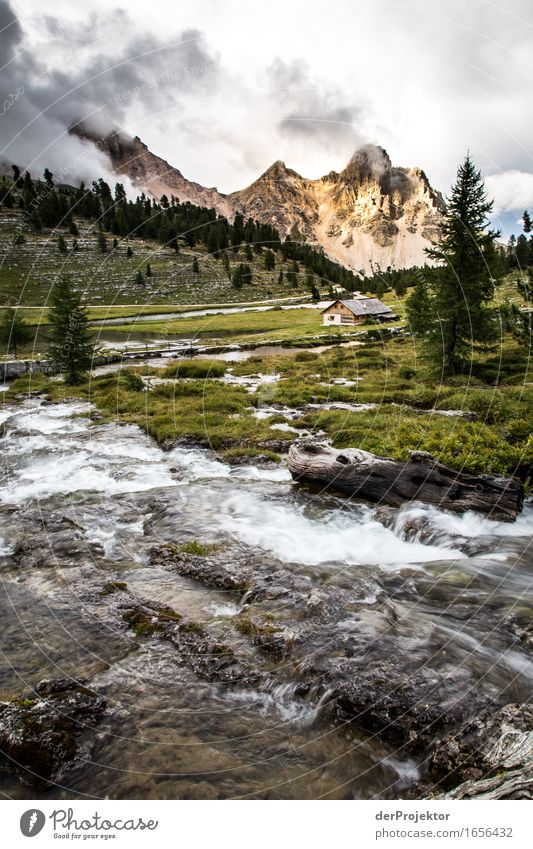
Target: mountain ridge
(368,216)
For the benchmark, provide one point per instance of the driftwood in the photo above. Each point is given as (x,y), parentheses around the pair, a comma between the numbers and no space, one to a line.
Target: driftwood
(393,482)
(492,757)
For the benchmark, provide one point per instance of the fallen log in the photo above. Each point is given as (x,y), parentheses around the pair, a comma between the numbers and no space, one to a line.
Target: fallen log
(393,482)
(491,757)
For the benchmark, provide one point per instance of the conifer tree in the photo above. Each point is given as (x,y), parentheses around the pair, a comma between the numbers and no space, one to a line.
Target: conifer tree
(6,198)
(270,260)
(292,274)
(18,180)
(419,309)
(70,345)
(521,252)
(62,245)
(236,278)
(460,315)
(101,242)
(246,274)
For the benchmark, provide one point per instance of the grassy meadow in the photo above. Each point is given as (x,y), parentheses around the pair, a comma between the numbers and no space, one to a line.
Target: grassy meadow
(488,426)
(28,269)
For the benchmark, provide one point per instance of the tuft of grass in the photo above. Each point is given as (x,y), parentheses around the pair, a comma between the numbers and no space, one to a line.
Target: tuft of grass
(250,628)
(199,549)
(114,587)
(132,380)
(146,623)
(196,369)
(27,384)
(244,452)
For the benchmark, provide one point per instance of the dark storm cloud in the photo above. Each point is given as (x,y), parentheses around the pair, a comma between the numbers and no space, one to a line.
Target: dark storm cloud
(147,70)
(96,80)
(310,110)
(10,32)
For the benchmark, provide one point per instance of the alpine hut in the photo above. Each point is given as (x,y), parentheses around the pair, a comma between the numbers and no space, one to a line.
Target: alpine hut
(356,310)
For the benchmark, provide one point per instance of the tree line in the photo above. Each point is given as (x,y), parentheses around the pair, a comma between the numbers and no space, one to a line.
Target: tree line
(169,222)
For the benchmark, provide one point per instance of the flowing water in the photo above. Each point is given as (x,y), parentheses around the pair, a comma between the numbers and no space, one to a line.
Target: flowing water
(84,503)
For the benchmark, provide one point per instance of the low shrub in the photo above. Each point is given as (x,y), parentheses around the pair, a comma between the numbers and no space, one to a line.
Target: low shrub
(196,369)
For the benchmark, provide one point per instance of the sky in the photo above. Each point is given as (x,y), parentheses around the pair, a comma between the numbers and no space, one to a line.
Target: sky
(223,88)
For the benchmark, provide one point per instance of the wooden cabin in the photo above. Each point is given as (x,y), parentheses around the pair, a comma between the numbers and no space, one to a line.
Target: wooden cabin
(355,311)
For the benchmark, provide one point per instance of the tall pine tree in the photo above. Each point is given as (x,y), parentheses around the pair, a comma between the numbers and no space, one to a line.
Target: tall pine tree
(460,316)
(70,348)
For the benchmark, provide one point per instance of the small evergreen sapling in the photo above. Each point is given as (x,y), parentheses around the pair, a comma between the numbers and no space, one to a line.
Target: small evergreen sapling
(70,345)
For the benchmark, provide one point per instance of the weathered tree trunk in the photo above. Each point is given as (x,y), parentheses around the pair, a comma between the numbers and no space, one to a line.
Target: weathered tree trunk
(393,482)
(491,757)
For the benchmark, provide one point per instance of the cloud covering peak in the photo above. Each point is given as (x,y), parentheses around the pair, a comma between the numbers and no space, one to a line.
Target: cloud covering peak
(222,94)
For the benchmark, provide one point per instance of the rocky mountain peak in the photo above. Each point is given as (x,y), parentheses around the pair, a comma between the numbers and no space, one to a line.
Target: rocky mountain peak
(369,163)
(278,171)
(372,214)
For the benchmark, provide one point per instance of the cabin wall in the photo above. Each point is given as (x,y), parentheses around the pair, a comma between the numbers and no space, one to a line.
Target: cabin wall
(338,314)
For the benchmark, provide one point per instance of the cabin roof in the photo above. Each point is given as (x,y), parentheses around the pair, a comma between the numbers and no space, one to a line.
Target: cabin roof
(363,306)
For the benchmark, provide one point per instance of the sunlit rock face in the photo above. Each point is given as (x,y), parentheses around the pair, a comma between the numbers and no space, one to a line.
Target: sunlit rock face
(370,215)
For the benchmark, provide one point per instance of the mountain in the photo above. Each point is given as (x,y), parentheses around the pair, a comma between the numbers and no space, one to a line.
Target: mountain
(131,158)
(369,215)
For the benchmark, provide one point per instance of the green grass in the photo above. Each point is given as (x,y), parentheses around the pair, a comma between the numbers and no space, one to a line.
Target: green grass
(197,548)
(392,376)
(394,432)
(195,368)
(232,454)
(38,315)
(28,270)
(207,412)
(278,324)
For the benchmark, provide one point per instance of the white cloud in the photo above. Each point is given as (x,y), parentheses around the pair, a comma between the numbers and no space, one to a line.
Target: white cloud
(512,191)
